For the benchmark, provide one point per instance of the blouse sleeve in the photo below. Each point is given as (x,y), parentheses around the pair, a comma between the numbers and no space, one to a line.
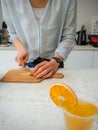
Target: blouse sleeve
(8,19)
(69,31)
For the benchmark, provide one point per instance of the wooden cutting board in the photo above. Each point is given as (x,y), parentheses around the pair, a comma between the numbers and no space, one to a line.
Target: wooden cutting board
(23,76)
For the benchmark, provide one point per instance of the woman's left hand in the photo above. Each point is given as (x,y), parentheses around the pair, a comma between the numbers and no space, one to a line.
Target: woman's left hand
(45,69)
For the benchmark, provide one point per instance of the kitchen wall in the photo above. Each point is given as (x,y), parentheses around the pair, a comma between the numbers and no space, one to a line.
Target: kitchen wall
(1,17)
(86,9)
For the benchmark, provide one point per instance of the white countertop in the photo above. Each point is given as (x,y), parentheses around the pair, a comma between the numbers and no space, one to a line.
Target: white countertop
(77,47)
(85,47)
(27,106)
(11,47)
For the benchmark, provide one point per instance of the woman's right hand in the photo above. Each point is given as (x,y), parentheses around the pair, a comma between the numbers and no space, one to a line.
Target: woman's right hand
(23,53)
(22,57)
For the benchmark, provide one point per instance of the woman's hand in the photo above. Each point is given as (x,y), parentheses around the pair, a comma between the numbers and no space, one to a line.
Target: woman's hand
(23,54)
(22,57)
(45,69)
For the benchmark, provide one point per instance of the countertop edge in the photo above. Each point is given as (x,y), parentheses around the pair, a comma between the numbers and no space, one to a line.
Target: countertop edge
(76,48)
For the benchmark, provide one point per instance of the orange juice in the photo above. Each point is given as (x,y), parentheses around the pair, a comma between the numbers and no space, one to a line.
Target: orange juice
(79,114)
(81,117)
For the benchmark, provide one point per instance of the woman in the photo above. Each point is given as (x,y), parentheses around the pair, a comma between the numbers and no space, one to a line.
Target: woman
(43,32)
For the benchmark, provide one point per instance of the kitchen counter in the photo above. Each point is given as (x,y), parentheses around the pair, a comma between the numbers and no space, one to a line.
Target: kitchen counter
(27,106)
(10,47)
(85,47)
(77,47)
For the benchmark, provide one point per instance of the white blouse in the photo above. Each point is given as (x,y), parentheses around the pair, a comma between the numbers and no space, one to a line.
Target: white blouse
(43,31)
(38,12)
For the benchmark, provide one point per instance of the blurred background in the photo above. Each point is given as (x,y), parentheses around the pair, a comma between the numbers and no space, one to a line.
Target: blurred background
(87,23)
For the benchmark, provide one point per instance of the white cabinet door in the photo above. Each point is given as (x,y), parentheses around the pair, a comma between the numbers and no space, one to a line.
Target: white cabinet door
(76,60)
(7,59)
(79,59)
(95,65)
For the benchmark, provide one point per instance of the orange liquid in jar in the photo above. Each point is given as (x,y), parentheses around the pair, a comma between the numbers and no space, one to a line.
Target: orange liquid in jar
(79,117)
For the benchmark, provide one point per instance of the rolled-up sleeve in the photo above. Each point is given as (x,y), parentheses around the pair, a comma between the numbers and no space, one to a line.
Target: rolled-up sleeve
(69,31)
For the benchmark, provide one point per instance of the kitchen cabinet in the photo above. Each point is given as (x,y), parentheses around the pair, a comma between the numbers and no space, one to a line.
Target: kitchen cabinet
(80,59)
(7,58)
(95,64)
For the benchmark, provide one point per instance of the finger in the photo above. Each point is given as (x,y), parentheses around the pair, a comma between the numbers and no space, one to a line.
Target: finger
(17,60)
(35,71)
(48,75)
(40,74)
(25,58)
(22,63)
(39,68)
(45,73)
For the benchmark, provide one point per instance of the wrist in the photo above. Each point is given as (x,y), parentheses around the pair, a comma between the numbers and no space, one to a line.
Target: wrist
(55,63)
(19,45)
(57,55)
(56,60)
